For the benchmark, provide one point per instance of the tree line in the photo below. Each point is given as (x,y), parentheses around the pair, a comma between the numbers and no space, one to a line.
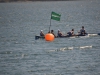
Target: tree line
(31,0)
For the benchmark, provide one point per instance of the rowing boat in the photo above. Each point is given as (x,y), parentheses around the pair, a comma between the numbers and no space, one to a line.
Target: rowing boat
(42,37)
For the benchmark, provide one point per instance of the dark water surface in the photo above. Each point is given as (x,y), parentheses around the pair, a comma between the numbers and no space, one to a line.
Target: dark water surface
(21,54)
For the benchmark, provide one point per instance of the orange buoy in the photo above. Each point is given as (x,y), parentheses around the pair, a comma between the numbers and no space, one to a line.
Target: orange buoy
(49,37)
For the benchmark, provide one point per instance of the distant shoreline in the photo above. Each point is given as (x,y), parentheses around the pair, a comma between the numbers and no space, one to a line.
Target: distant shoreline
(5,1)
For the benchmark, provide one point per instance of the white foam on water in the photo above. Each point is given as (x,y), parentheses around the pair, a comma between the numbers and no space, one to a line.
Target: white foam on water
(70,48)
(84,36)
(83,47)
(62,49)
(73,37)
(66,48)
(52,50)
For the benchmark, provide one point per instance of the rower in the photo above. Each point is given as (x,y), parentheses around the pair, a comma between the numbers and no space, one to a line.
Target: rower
(41,33)
(82,32)
(59,33)
(71,33)
(52,32)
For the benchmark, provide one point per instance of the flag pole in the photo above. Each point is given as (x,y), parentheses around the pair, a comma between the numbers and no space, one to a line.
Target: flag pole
(50,23)
(50,26)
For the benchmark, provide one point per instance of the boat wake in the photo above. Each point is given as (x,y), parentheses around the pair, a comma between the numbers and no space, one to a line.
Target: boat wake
(71,48)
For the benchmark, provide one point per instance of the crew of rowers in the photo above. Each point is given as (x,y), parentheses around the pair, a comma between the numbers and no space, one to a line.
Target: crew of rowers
(82,32)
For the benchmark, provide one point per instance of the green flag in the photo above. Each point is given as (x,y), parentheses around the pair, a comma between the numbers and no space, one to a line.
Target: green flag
(55,16)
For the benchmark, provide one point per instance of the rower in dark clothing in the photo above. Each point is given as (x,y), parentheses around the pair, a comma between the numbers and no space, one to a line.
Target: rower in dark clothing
(41,33)
(59,34)
(71,33)
(82,32)
(52,32)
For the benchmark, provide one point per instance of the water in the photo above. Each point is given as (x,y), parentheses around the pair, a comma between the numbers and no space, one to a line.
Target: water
(21,54)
